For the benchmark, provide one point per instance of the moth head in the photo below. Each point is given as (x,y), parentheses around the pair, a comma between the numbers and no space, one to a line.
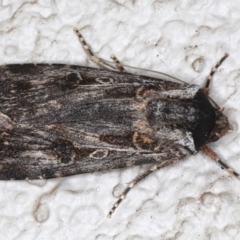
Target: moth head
(221,127)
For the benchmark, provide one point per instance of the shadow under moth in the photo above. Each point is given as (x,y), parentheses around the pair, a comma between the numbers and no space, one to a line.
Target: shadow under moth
(58,120)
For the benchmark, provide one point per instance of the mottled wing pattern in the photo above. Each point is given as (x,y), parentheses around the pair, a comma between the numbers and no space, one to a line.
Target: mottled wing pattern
(58,120)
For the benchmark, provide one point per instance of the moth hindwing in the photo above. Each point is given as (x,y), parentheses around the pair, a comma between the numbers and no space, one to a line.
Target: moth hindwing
(58,120)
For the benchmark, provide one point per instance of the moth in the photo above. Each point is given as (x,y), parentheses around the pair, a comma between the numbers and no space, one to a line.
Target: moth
(59,120)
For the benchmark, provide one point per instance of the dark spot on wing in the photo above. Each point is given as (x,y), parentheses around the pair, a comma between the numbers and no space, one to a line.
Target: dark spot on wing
(70,81)
(122,140)
(83,152)
(23,85)
(22,69)
(65,151)
(47,173)
(13,171)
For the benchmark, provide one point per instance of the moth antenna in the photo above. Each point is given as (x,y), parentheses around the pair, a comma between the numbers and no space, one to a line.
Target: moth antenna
(134,182)
(118,64)
(214,69)
(93,57)
(210,153)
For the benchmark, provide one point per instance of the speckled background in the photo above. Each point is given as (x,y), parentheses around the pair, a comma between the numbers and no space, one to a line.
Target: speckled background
(194,199)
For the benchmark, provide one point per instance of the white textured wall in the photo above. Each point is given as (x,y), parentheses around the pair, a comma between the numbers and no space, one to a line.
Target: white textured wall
(193,199)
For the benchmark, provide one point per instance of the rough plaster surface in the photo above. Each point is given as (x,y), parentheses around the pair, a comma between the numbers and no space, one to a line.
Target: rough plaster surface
(193,199)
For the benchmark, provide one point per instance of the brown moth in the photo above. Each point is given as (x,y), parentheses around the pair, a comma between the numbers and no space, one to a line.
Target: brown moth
(59,120)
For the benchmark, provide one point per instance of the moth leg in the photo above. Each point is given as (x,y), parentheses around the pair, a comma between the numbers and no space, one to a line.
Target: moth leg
(214,69)
(135,181)
(94,58)
(210,153)
(119,66)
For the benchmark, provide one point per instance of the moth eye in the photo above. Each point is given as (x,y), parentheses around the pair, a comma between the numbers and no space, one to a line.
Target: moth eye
(99,154)
(105,80)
